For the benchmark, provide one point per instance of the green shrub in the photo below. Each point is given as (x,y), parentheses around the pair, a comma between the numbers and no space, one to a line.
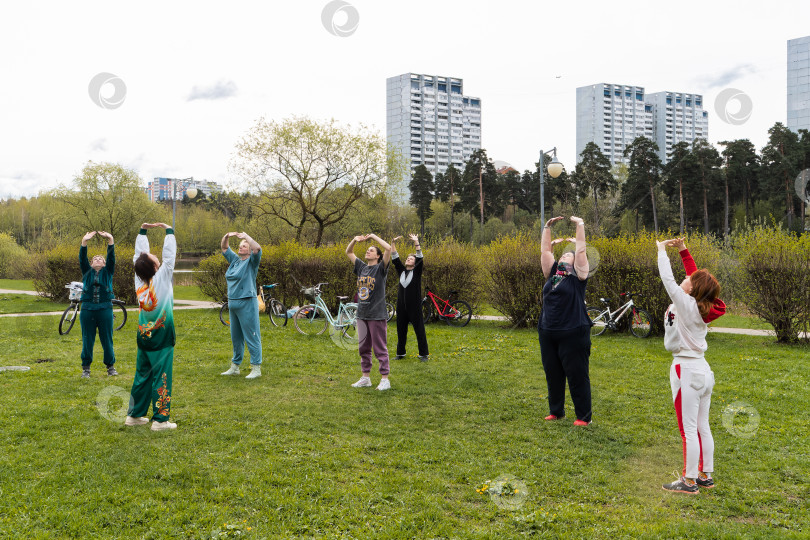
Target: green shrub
(773,275)
(13,258)
(59,266)
(450,266)
(453,266)
(513,278)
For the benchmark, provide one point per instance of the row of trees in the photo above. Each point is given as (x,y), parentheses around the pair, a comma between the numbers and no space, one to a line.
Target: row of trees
(699,188)
(320,183)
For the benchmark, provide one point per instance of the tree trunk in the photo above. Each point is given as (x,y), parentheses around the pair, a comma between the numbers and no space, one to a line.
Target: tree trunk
(725,225)
(789,201)
(655,214)
(680,196)
(481,192)
(422,229)
(705,211)
(452,202)
(595,209)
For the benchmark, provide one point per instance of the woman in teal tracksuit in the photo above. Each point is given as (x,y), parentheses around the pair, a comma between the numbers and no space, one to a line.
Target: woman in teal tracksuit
(97,313)
(242,302)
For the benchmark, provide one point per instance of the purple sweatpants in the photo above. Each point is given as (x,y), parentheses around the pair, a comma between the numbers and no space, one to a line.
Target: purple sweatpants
(373,334)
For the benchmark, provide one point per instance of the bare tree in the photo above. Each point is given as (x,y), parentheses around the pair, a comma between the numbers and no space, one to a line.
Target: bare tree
(308,173)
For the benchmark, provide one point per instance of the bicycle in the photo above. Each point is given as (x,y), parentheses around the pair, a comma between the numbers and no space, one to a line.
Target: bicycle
(453,312)
(68,318)
(640,322)
(312,319)
(272,307)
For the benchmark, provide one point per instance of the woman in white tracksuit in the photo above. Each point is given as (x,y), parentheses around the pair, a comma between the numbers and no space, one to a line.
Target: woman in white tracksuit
(691,378)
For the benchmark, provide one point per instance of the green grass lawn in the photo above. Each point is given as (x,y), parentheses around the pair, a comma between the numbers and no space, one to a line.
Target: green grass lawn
(26,303)
(731,320)
(299,453)
(17,284)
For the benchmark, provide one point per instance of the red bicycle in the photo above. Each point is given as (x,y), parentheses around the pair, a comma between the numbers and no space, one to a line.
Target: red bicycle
(453,312)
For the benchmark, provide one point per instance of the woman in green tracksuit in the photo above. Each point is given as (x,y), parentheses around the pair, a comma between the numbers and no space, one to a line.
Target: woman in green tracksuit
(97,313)
(156,337)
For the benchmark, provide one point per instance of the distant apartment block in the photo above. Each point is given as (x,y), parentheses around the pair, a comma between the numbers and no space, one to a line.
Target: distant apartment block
(431,122)
(613,115)
(161,189)
(798,83)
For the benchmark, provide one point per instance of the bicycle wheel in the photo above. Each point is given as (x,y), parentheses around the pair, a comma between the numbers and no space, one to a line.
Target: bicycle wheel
(598,320)
(459,313)
(68,319)
(391,310)
(427,310)
(310,320)
(349,322)
(640,323)
(119,314)
(277,313)
(225,314)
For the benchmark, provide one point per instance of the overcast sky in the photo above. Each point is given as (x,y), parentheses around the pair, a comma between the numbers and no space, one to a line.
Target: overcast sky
(198,74)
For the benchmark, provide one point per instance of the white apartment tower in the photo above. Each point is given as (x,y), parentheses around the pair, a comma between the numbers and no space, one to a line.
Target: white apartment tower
(613,115)
(431,122)
(798,83)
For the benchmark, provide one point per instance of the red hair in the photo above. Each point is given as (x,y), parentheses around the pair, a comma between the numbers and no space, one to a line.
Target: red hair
(705,289)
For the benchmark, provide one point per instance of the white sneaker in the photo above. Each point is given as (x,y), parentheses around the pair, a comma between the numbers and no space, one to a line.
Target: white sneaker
(161,426)
(255,372)
(135,421)
(233,370)
(362,383)
(385,384)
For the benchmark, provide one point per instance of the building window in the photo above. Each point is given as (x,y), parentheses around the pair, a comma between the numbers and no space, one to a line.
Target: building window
(442,87)
(617,93)
(669,101)
(639,96)
(607,92)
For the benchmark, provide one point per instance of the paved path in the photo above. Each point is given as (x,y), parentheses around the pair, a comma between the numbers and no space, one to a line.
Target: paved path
(202,304)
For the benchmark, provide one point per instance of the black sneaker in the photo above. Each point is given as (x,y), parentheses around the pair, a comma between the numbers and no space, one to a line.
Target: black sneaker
(111,371)
(705,481)
(85,373)
(424,358)
(681,486)
(399,357)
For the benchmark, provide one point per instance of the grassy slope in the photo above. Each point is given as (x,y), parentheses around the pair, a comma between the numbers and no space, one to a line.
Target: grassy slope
(299,452)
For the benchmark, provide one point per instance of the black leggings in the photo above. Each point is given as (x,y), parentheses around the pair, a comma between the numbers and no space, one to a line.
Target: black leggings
(415,318)
(566,355)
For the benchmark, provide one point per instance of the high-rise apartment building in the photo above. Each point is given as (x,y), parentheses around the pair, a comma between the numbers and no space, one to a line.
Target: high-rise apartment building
(798,83)
(613,115)
(431,122)
(677,117)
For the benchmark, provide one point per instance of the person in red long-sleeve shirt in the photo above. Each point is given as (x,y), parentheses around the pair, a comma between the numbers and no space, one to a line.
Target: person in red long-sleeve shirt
(719,307)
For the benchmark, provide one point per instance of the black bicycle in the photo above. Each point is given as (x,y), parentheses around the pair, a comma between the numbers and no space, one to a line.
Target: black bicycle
(75,296)
(272,307)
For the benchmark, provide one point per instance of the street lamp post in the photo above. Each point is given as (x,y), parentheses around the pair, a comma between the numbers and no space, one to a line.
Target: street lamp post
(191,192)
(555,168)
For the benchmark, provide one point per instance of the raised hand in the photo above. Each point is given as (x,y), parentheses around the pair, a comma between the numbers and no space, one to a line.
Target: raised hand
(162,225)
(241,235)
(553,220)
(88,236)
(361,238)
(679,243)
(577,220)
(414,238)
(662,244)
(556,241)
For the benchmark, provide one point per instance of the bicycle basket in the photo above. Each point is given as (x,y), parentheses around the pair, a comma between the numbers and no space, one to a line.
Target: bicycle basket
(75,290)
(310,292)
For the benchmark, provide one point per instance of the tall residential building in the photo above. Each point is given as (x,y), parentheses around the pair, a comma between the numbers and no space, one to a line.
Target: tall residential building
(161,189)
(431,122)
(613,115)
(798,83)
(678,116)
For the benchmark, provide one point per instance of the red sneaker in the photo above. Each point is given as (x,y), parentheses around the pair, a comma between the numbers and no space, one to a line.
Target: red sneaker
(553,417)
(580,423)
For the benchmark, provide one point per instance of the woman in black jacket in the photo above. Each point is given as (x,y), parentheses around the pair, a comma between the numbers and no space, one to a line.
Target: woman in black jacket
(409,299)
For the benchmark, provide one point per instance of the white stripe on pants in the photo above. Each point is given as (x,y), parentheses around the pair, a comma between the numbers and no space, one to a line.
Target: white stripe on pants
(692,382)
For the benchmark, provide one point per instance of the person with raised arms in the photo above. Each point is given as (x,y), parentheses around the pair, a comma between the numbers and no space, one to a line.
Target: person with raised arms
(694,303)
(564,326)
(156,334)
(409,298)
(243,304)
(372,315)
(97,313)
